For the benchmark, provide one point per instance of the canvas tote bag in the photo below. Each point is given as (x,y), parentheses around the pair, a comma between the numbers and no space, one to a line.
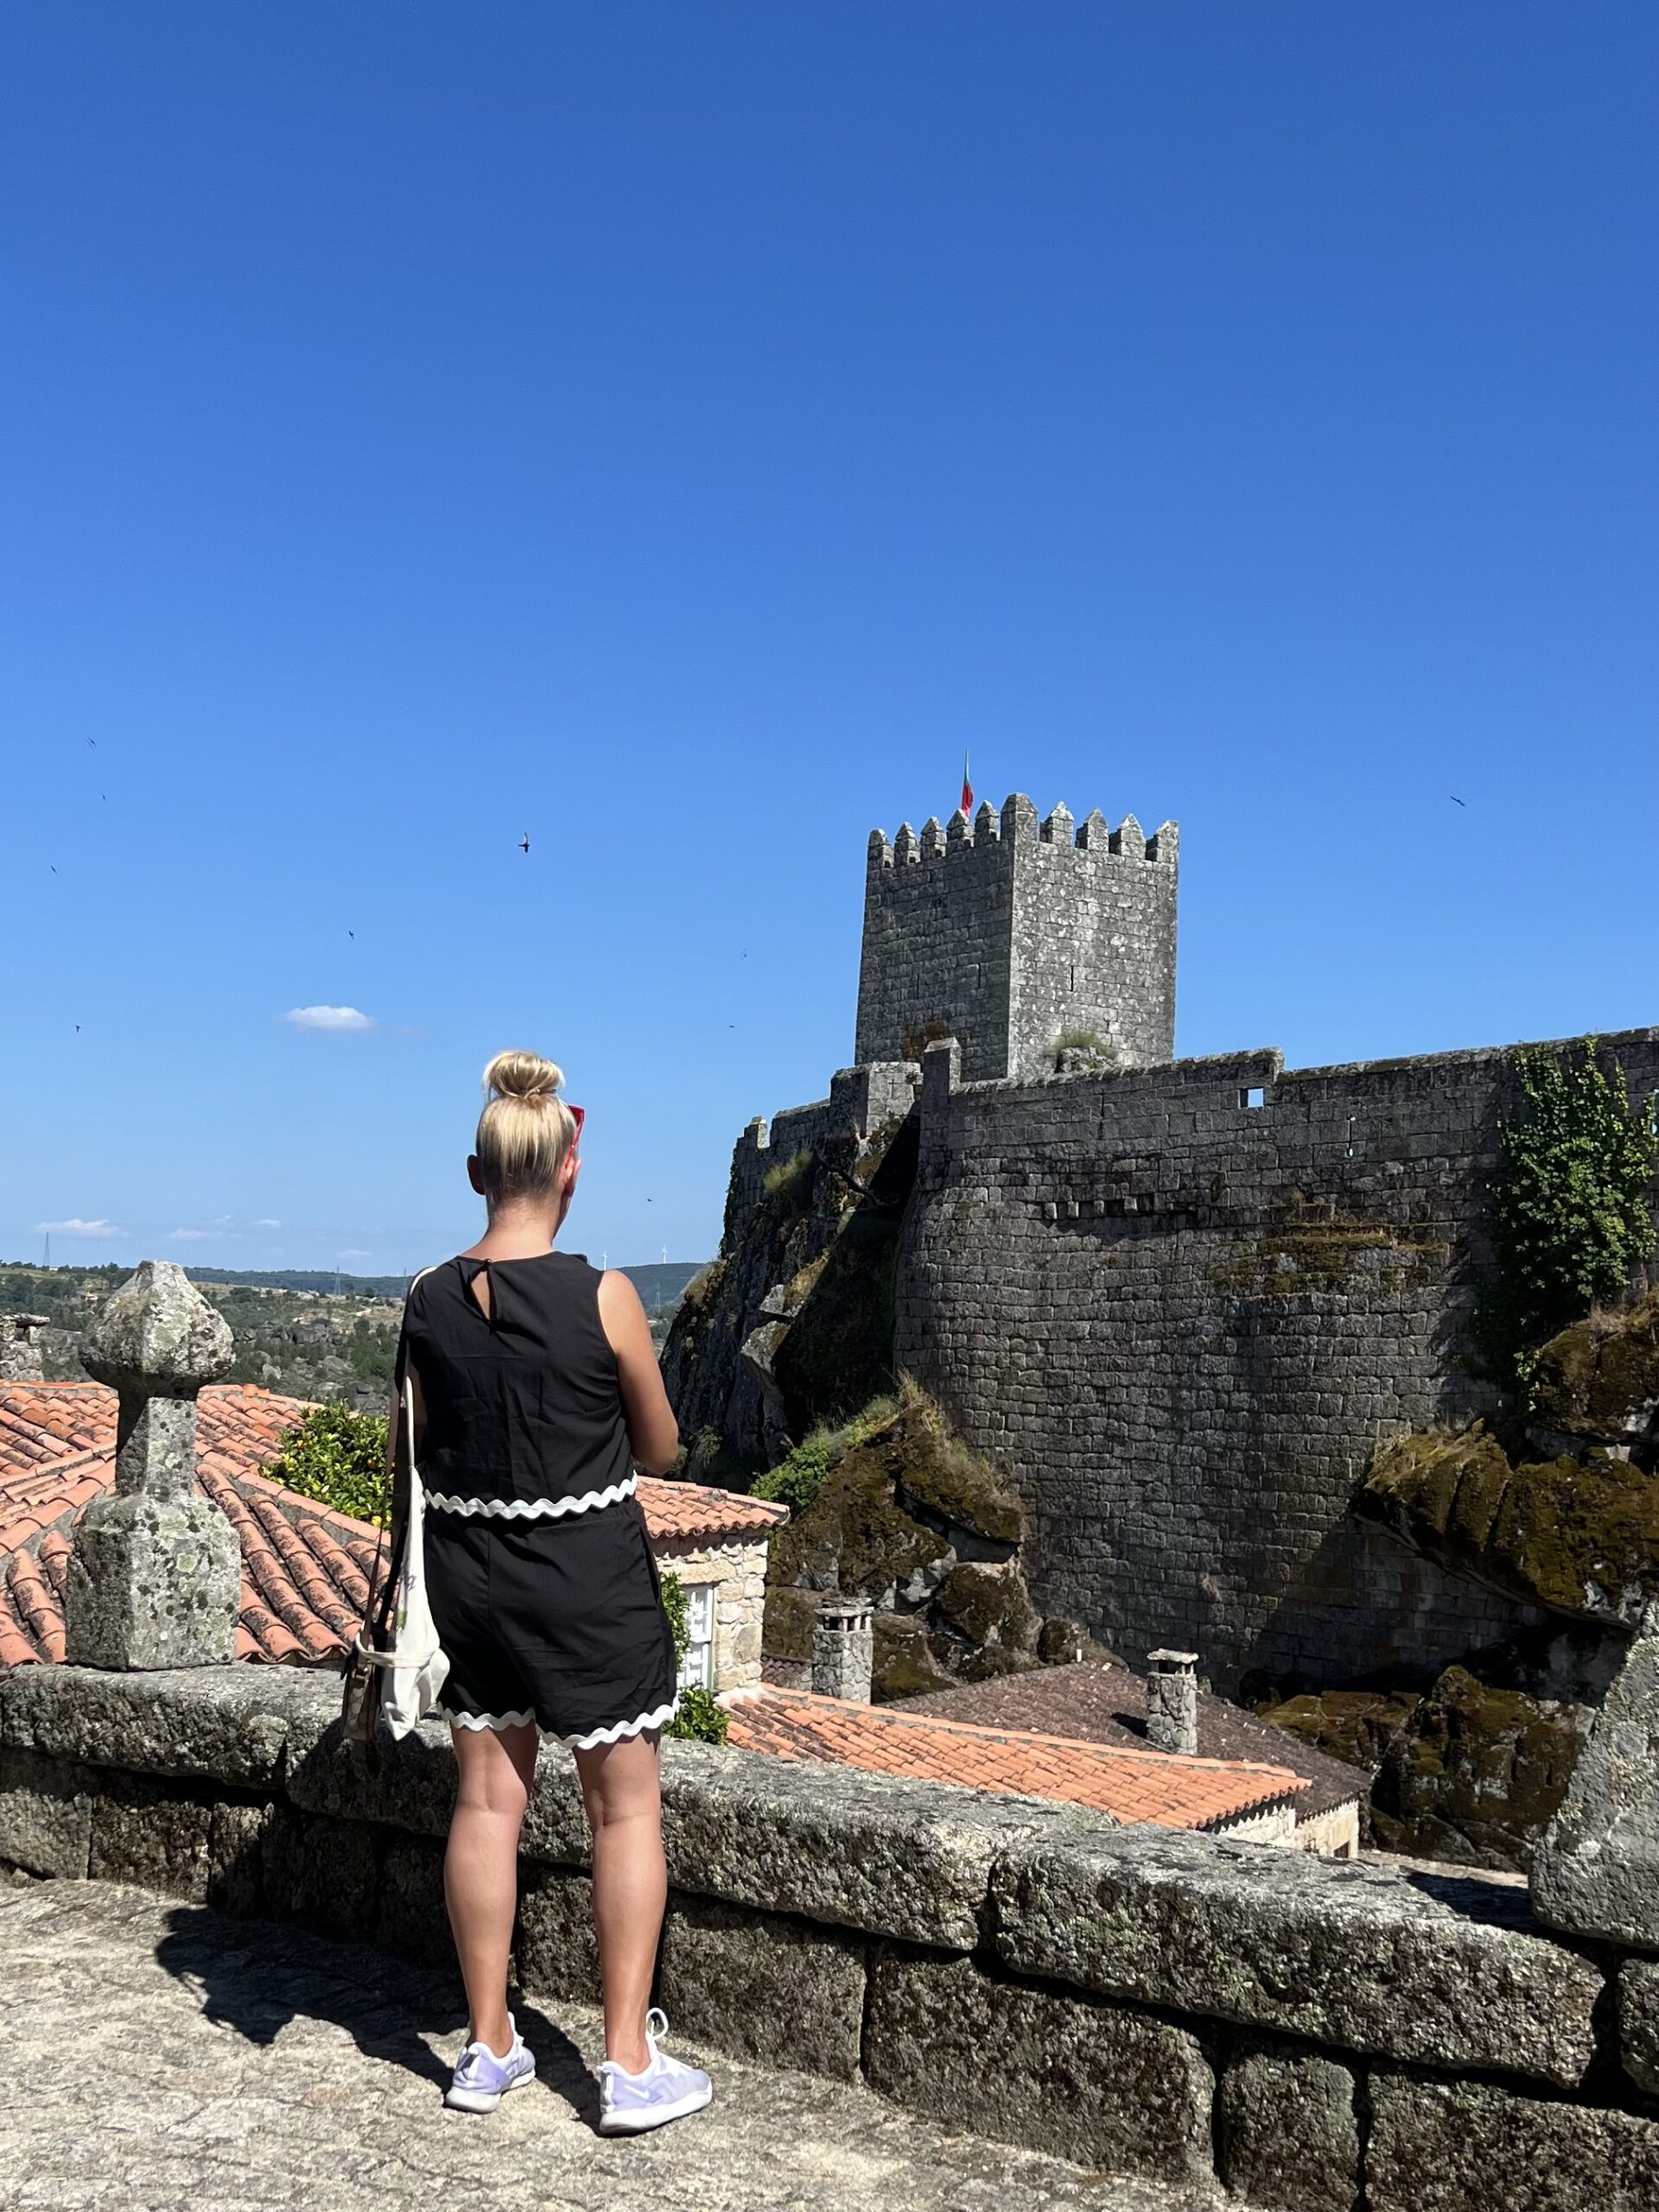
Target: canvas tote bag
(398,1668)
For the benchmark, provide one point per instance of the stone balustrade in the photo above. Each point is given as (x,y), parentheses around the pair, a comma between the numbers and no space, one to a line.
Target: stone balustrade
(1136,2000)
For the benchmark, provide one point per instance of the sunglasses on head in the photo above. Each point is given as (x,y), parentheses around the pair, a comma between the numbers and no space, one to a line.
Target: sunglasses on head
(578,1115)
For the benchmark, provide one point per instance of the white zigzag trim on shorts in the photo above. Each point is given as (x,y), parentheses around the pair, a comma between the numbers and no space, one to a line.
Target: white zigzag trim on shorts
(532,1509)
(597,1736)
(488,1720)
(588,1743)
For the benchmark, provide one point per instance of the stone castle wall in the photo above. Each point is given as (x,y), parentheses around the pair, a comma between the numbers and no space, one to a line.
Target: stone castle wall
(1008,933)
(1180,1306)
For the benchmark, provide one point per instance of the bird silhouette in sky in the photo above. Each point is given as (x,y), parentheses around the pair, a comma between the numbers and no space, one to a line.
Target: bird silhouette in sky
(353,935)
(93,741)
(524,842)
(1455,800)
(54,870)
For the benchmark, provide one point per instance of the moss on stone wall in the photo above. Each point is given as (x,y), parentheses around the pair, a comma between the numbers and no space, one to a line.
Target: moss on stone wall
(1356,1726)
(898,1494)
(1309,1247)
(1600,1378)
(1576,1535)
(1476,1774)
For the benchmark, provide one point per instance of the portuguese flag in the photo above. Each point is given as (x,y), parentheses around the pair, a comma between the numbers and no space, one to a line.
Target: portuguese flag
(967,788)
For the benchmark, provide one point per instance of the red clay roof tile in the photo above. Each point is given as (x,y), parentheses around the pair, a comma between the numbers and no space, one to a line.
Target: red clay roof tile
(1129,1785)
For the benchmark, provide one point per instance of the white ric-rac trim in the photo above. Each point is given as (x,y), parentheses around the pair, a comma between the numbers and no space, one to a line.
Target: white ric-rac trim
(532,1509)
(596,1736)
(488,1720)
(588,1743)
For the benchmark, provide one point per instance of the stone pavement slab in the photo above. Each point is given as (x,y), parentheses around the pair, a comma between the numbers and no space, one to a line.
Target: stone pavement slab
(159,2055)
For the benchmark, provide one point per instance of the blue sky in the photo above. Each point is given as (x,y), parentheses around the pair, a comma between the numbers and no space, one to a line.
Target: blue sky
(676,431)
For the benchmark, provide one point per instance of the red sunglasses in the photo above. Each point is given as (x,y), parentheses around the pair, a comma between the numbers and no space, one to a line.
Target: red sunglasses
(578,1115)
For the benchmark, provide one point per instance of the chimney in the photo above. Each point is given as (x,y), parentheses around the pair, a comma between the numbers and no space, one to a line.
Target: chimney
(844,1650)
(20,1347)
(1172,1701)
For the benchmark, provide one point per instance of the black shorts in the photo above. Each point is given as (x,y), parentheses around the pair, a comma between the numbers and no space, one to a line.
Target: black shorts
(559,1621)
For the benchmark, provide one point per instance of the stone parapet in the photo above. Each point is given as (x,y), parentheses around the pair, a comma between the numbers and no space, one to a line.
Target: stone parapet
(1320,2036)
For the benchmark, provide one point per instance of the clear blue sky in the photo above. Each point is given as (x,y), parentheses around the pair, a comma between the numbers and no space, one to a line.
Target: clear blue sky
(675,430)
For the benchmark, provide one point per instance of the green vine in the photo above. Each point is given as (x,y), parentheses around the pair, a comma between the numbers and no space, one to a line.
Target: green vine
(1571,1207)
(700,1718)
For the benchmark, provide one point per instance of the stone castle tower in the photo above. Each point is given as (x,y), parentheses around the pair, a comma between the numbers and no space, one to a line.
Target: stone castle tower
(1009,935)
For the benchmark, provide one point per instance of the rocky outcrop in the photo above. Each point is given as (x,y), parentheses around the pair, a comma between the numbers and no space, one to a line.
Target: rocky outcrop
(910,1519)
(791,1327)
(1476,1774)
(1578,1536)
(1468,1772)
(1599,1380)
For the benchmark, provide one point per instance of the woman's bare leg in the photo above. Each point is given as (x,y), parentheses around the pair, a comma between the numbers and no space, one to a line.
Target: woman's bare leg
(625,1811)
(480,1868)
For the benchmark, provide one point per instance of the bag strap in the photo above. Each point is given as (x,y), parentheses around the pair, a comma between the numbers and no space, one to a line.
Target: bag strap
(383,1596)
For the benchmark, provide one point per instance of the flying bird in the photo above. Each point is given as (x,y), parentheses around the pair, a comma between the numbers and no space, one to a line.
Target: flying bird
(524,842)
(1455,800)
(353,935)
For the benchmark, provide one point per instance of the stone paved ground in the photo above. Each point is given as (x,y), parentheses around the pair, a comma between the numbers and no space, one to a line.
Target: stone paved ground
(159,2055)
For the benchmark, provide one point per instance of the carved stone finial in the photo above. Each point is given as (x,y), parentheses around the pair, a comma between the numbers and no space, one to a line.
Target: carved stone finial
(154,1577)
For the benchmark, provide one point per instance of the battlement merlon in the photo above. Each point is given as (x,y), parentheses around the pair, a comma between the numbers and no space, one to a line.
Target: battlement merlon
(1018,824)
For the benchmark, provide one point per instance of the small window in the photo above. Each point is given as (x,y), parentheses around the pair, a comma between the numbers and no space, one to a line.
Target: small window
(698,1668)
(1253,1098)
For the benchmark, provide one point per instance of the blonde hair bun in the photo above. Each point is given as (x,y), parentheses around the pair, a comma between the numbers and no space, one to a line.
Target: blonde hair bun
(522,1075)
(526,1130)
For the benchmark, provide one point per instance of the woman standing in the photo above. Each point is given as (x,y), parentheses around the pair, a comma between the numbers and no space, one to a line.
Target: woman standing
(536,1391)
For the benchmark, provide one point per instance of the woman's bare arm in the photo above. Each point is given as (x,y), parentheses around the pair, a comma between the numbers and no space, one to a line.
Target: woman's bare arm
(654,1433)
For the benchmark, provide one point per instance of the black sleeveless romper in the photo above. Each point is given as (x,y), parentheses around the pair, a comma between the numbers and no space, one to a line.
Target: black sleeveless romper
(538,1567)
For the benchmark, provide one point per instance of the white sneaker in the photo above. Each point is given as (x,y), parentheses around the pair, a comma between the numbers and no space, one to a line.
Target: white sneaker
(630,2104)
(481,2079)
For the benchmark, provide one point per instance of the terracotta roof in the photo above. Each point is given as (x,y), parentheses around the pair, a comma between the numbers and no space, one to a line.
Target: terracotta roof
(688,1512)
(1108,1705)
(305,1568)
(1130,1785)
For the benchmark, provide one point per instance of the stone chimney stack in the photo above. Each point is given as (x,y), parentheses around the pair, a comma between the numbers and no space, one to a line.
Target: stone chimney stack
(844,1650)
(1172,1701)
(155,1578)
(20,1347)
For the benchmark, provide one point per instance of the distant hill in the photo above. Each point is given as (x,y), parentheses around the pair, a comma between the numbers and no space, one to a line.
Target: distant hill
(324,1280)
(660,1283)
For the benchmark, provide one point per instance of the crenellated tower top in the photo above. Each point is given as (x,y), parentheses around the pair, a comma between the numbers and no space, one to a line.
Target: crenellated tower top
(1011,932)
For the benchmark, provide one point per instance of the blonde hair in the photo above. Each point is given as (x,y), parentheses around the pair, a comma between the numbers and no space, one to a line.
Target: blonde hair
(526,1130)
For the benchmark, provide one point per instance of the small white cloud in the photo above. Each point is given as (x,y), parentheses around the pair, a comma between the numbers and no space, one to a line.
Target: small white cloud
(328,1017)
(267,1224)
(76,1227)
(190,1236)
(354,1252)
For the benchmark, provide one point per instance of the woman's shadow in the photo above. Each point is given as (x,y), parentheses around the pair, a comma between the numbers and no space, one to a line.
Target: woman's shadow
(255,1976)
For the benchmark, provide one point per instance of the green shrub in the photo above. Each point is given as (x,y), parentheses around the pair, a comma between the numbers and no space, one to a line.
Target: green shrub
(792,1179)
(1571,1207)
(796,1481)
(700,1718)
(339,1457)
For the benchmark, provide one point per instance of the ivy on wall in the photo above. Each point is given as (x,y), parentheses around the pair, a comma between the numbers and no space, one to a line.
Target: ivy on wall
(1572,1206)
(700,1718)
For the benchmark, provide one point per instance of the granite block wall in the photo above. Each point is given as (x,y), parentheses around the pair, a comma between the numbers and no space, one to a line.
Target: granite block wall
(1181,1306)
